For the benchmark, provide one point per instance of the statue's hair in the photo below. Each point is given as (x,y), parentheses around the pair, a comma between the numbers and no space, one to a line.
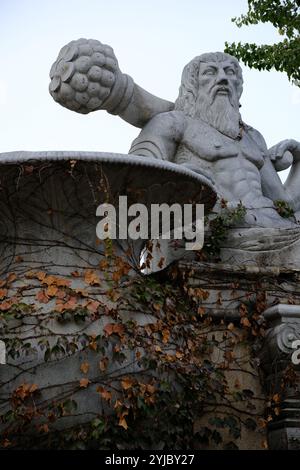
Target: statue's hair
(188,90)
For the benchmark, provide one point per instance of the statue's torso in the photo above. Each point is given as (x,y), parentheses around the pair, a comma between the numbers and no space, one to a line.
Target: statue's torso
(234,165)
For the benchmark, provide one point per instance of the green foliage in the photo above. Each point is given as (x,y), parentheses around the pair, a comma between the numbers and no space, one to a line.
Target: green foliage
(283,56)
(218,227)
(78,315)
(283,209)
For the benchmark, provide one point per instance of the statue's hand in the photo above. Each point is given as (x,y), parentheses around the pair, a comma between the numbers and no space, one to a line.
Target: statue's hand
(86,77)
(285,153)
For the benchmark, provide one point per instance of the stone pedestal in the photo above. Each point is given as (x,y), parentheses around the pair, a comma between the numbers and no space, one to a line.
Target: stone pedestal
(260,300)
(282,374)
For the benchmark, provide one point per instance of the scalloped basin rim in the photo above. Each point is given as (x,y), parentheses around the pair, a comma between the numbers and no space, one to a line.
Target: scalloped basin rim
(105,157)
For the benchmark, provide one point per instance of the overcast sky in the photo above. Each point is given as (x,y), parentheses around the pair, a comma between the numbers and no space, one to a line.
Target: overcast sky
(152,39)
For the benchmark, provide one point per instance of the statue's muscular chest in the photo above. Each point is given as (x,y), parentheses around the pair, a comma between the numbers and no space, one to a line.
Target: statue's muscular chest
(205,144)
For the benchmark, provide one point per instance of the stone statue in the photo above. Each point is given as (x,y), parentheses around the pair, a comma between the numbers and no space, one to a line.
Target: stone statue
(203,131)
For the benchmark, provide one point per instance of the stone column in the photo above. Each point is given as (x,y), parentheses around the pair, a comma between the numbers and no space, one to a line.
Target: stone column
(279,362)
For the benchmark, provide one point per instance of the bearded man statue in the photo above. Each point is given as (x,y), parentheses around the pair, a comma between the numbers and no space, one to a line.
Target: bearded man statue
(203,131)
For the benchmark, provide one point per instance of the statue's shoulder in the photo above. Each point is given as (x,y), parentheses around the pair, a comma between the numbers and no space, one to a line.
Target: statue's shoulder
(170,117)
(170,121)
(256,136)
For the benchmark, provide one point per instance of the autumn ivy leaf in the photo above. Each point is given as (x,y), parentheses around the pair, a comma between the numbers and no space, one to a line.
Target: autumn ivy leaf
(114,295)
(61,294)
(105,394)
(122,420)
(264,444)
(123,423)
(82,292)
(5,443)
(83,383)
(103,364)
(51,291)
(92,305)
(91,278)
(56,281)
(150,389)
(42,297)
(70,304)
(3,293)
(165,335)
(116,276)
(245,322)
(156,307)
(33,388)
(104,264)
(11,278)
(276,398)
(40,275)
(44,428)
(93,345)
(84,367)
(24,390)
(111,328)
(127,383)
(75,274)
(201,311)
(118,405)
(229,355)
(28,169)
(179,355)
(243,310)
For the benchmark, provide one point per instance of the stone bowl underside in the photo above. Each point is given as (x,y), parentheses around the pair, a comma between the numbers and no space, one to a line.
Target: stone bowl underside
(48,202)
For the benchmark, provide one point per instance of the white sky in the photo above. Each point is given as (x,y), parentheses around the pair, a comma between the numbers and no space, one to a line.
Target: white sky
(152,39)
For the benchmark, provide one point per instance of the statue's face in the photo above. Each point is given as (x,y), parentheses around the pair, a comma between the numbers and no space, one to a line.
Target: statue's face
(218,96)
(219,79)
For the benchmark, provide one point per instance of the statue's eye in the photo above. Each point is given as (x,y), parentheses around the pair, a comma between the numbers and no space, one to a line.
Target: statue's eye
(230,72)
(209,72)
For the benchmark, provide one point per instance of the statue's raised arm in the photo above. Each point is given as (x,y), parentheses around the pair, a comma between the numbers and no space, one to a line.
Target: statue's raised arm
(86,77)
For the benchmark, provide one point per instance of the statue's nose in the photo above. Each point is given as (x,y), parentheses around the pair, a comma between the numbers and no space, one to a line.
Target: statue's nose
(222,77)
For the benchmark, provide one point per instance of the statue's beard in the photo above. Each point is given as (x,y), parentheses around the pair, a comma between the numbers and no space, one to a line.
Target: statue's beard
(221,112)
